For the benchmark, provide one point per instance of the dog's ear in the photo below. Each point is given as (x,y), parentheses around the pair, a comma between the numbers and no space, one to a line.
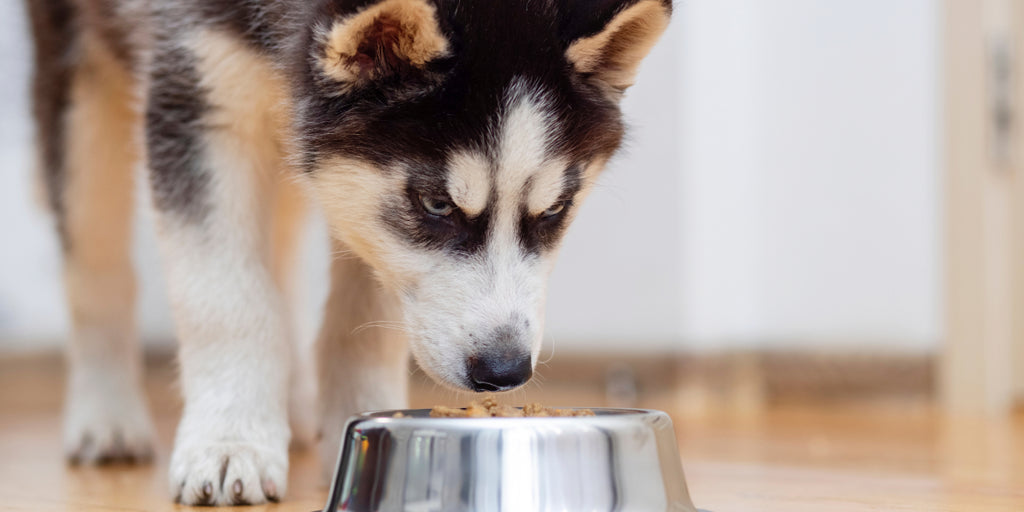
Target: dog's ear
(388,39)
(622,39)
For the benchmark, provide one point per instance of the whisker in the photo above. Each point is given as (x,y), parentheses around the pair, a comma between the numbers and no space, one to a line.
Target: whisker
(342,254)
(382,324)
(551,355)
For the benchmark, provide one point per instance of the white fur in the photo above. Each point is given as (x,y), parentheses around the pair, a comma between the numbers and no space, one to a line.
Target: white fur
(231,319)
(469,181)
(527,164)
(105,413)
(525,139)
(234,352)
(461,302)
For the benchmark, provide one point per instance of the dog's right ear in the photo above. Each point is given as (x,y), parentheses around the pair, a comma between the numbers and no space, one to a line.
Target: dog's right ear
(390,39)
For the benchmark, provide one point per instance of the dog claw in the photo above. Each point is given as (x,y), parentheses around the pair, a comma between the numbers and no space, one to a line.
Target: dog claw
(207,493)
(228,473)
(236,490)
(270,489)
(78,457)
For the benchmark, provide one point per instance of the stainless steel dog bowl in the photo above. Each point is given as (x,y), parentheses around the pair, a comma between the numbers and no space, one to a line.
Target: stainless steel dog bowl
(622,460)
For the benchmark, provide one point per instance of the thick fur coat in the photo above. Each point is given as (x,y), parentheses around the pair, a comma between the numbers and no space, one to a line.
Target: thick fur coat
(449,144)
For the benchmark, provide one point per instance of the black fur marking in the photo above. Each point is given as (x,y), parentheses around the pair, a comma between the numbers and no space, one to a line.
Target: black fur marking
(492,47)
(53,28)
(456,233)
(112,26)
(405,118)
(265,24)
(538,233)
(174,135)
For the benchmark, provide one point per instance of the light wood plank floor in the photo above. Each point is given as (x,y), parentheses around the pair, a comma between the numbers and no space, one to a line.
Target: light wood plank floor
(893,457)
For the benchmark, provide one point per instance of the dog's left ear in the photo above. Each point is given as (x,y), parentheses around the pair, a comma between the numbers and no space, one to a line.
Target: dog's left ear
(390,39)
(613,54)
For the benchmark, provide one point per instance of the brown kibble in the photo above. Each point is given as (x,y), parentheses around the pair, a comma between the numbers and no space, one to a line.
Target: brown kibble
(490,403)
(441,411)
(476,410)
(507,411)
(534,409)
(490,408)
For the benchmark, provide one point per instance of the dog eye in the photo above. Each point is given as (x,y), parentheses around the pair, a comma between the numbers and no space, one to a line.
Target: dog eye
(553,210)
(436,206)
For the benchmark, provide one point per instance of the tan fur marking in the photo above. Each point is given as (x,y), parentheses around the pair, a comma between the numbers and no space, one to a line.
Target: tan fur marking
(286,226)
(593,171)
(351,195)
(419,36)
(469,182)
(546,186)
(524,140)
(105,410)
(614,54)
(361,366)
(289,206)
(102,152)
(250,117)
(523,158)
(250,96)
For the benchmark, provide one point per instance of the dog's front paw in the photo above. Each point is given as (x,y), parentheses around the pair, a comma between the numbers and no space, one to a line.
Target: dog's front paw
(212,467)
(106,422)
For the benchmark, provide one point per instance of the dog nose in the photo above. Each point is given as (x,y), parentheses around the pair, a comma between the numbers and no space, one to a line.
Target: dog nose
(500,372)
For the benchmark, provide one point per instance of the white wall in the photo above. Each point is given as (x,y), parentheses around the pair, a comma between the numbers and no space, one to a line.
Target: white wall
(810,183)
(32,313)
(780,187)
(25,310)
(617,280)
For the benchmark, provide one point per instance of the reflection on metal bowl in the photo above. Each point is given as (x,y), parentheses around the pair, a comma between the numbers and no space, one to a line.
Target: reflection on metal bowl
(622,460)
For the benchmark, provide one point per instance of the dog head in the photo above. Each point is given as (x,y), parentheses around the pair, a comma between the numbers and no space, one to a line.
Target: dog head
(450,144)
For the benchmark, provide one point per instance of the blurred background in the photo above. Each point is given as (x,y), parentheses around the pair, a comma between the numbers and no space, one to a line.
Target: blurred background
(781,215)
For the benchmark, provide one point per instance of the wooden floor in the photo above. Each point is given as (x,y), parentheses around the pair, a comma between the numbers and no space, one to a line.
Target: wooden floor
(892,457)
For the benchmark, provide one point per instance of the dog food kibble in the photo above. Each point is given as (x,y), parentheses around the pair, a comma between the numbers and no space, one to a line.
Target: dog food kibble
(490,408)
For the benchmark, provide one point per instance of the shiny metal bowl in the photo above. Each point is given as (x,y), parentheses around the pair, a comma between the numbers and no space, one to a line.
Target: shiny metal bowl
(623,460)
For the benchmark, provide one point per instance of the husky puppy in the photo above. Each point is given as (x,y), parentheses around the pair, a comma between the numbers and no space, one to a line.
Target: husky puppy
(448,142)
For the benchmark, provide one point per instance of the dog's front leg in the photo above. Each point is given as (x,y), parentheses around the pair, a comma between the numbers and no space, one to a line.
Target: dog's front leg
(362,357)
(215,129)
(214,176)
(231,445)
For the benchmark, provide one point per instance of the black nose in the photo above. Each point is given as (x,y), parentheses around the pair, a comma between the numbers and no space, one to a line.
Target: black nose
(498,372)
